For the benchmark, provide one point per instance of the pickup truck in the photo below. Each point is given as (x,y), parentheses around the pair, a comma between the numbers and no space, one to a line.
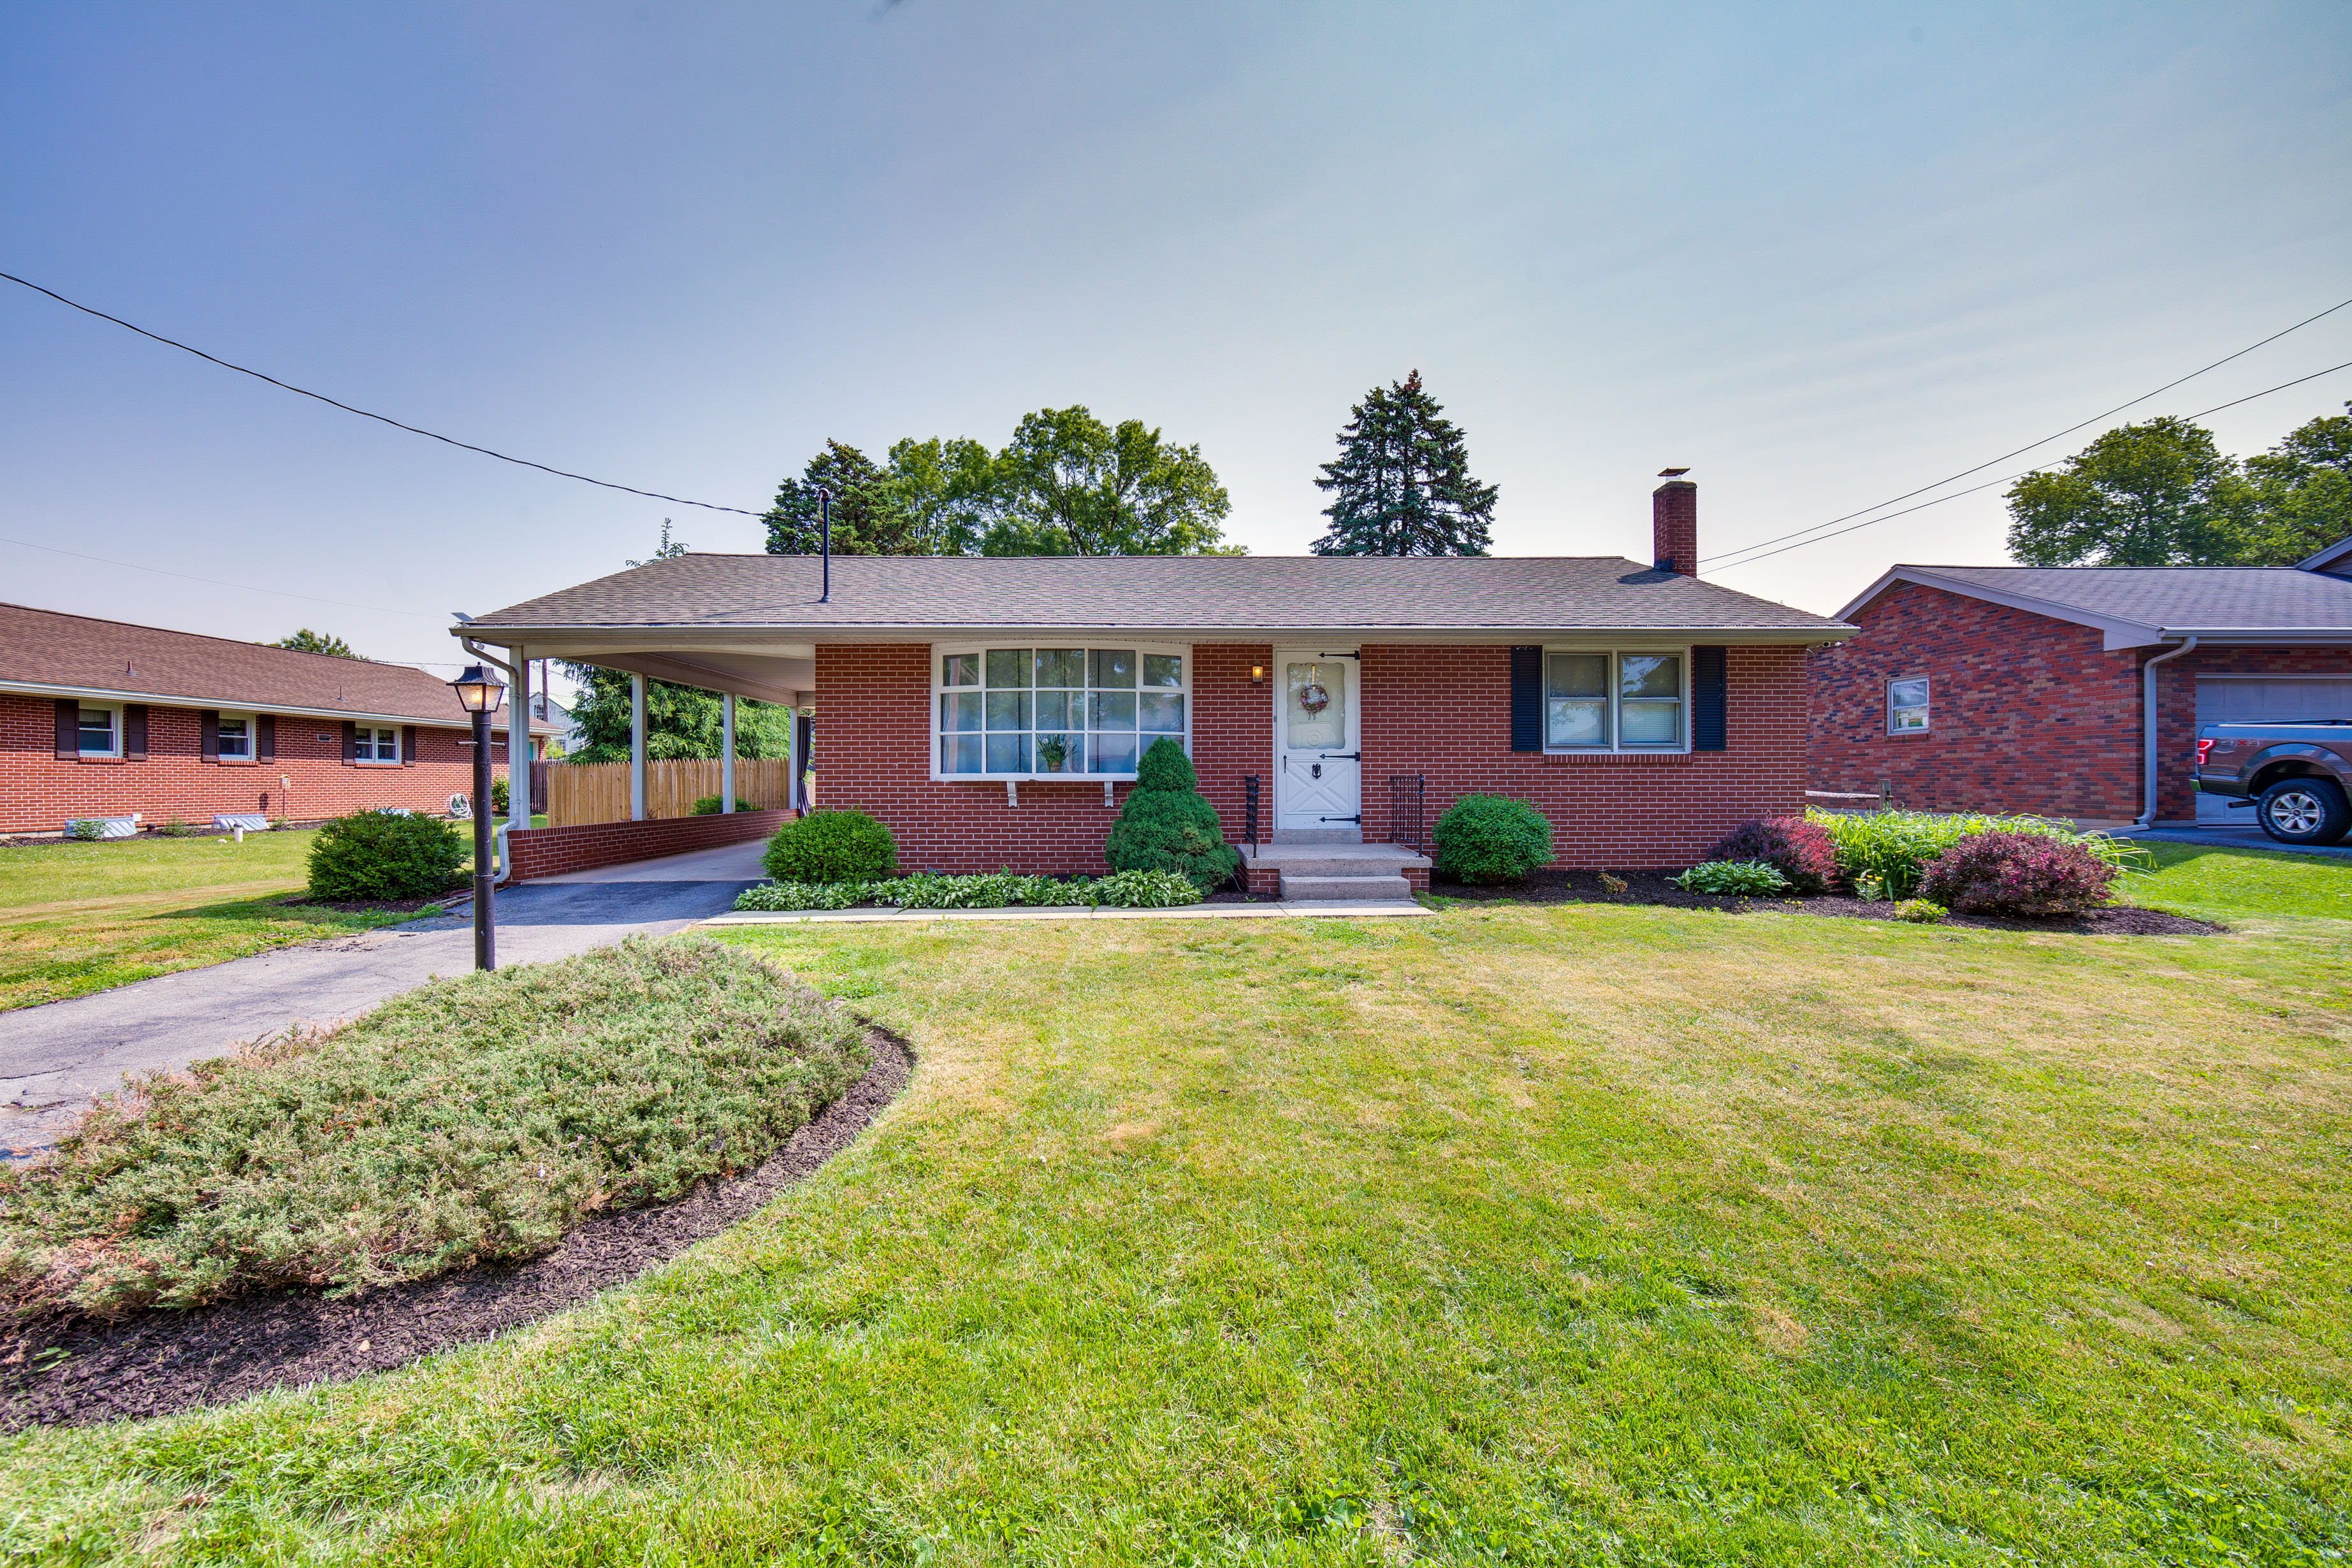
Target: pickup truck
(2297,777)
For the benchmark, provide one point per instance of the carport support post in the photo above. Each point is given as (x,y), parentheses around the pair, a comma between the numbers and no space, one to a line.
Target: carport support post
(726,750)
(518,750)
(636,748)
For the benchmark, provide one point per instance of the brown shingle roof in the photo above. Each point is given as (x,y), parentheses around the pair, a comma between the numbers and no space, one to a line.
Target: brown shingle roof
(1212,593)
(46,648)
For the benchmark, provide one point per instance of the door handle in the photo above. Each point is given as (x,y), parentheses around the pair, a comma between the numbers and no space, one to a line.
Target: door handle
(1344,756)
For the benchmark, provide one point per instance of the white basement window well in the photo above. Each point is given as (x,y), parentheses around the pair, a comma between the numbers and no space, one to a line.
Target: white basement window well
(1616,699)
(99,732)
(1906,707)
(379,743)
(1023,712)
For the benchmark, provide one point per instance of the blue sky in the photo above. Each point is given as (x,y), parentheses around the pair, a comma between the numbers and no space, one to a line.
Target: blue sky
(1821,255)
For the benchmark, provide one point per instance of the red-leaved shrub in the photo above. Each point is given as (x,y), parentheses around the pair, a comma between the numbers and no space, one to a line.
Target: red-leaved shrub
(1796,848)
(2017,874)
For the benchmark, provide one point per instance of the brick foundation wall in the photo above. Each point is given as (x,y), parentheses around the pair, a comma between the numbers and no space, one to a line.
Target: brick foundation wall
(40,793)
(586,846)
(1444,713)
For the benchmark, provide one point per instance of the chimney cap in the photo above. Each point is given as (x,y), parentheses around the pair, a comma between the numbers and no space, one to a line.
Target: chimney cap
(1671,473)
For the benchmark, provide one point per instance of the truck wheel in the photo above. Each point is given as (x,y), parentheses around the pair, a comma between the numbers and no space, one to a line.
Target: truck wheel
(2304,811)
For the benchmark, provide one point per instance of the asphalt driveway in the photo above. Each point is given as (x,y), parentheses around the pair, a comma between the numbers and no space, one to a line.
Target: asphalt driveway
(54,1058)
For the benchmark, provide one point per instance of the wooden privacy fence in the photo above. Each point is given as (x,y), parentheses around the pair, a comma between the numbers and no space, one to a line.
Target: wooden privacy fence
(599,791)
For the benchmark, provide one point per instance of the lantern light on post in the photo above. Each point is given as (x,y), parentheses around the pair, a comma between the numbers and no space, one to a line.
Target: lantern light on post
(479,691)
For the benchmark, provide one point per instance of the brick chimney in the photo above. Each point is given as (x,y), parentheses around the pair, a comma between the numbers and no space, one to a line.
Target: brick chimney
(1674,527)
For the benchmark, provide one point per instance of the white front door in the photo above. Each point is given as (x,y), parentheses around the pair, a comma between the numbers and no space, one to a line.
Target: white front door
(1319,772)
(2227,700)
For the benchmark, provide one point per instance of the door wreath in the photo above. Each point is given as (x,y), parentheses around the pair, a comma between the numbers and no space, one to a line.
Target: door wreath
(1313,697)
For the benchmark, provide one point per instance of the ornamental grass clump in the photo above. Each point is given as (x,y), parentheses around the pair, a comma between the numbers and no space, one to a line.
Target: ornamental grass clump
(1733,879)
(1884,854)
(831,846)
(2018,874)
(1168,824)
(472,1119)
(385,855)
(1491,838)
(1799,850)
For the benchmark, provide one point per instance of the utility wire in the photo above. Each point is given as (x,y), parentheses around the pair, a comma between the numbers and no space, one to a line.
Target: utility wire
(217,582)
(1988,484)
(468,446)
(2070,429)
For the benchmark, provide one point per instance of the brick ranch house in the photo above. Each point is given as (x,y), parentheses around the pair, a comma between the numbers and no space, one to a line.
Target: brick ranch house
(2073,691)
(991,710)
(102,719)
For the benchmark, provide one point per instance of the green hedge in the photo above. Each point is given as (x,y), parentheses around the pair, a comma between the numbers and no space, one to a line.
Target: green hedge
(831,846)
(1491,838)
(386,854)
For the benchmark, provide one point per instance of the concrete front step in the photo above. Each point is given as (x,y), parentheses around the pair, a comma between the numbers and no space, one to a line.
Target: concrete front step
(1298,888)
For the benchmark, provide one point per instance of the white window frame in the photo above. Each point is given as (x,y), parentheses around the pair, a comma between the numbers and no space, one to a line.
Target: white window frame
(370,760)
(252,752)
(1615,652)
(114,730)
(938,687)
(1926,709)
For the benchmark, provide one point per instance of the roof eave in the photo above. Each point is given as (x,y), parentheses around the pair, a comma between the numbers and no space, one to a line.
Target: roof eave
(247,705)
(508,635)
(2116,632)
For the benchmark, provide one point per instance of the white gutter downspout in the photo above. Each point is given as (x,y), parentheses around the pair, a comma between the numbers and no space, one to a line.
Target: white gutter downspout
(2147,729)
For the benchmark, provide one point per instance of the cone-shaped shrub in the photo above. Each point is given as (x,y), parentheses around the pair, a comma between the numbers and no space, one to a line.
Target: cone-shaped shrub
(1169,825)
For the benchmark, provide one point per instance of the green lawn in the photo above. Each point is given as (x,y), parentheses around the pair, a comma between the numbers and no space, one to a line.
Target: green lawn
(2231,885)
(1535,1234)
(77,918)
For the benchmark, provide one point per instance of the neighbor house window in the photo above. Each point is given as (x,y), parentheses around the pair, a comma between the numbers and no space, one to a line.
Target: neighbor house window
(101,730)
(235,735)
(1032,712)
(1614,702)
(1906,706)
(378,744)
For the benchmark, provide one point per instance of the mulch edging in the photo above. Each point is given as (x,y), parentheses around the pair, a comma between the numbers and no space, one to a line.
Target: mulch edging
(1551,887)
(158,1363)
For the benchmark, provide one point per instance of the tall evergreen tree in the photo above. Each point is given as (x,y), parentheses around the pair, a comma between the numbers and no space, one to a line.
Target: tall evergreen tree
(1401,483)
(867,519)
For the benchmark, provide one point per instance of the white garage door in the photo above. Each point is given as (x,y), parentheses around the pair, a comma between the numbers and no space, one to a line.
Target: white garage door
(2223,700)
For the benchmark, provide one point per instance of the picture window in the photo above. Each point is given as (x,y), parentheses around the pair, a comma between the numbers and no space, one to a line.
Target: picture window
(1055,712)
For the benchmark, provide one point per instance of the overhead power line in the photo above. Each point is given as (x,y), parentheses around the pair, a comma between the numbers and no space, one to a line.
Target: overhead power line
(217,582)
(322,398)
(2045,440)
(2012,479)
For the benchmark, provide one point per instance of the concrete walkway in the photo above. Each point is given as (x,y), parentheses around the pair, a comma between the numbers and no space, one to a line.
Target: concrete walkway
(54,1058)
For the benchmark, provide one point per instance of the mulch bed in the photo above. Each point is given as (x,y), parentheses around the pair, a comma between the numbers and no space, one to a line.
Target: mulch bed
(1658,887)
(161,1362)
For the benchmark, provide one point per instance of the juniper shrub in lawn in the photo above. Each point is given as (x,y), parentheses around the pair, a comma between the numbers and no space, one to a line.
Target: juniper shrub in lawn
(2017,874)
(471,1119)
(1798,850)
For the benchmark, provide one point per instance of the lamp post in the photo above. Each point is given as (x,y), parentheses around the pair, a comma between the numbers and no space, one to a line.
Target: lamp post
(479,690)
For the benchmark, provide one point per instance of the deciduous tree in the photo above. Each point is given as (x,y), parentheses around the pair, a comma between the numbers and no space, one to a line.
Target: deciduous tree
(1067,484)
(307,641)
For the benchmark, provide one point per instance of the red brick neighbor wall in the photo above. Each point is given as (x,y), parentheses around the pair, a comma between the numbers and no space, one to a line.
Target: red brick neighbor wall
(873,752)
(2176,699)
(40,793)
(1445,714)
(585,846)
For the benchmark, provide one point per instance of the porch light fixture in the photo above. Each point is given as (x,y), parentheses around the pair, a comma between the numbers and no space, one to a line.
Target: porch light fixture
(1257,675)
(479,691)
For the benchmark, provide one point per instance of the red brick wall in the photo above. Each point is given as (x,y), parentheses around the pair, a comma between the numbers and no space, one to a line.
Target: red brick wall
(2176,699)
(40,793)
(2027,714)
(584,847)
(1445,714)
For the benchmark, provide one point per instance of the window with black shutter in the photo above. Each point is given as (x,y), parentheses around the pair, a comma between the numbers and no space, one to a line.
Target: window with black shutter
(266,736)
(68,729)
(134,732)
(1527,699)
(408,746)
(1707,699)
(208,734)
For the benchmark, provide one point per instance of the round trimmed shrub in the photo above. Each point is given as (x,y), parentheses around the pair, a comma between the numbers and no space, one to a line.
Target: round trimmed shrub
(832,846)
(1491,838)
(1169,825)
(385,855)
(1798,849)
(2017,874)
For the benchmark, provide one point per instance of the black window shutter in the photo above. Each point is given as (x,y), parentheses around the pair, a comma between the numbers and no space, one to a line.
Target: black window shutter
(350,742)
(265,740)
(408,746)
(1527,699)
(1707,698)
(68,729)
(208,734)
(134,731)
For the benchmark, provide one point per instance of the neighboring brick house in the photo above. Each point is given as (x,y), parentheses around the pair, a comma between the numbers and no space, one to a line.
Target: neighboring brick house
(2026,688)
(991,710)
(101,719)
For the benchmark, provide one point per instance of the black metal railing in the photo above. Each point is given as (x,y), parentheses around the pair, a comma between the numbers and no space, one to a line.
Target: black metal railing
(1405,792)
(1249,809)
